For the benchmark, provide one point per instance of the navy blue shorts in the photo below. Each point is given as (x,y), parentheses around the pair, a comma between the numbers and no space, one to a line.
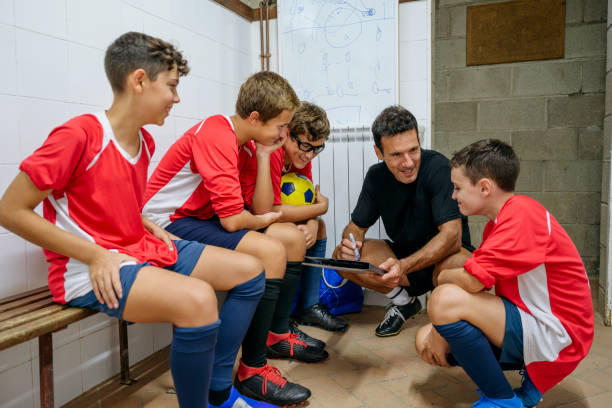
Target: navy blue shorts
(206,231)
(189,253)
(510,355)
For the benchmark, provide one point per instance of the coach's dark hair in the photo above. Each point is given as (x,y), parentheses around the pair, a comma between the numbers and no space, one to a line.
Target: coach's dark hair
(490,158)
(132,51)
(391,121)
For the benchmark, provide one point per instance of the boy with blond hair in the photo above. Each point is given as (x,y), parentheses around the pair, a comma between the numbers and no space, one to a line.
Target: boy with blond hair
(90,174)
(195,193)
(541,315)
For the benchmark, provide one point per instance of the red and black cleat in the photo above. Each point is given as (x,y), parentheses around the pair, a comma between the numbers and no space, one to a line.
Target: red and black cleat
(267,384)
(288,345)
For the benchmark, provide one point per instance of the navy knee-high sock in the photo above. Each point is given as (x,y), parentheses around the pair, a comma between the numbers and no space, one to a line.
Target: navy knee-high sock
(473,352)
(311,276)
(236,314)
(191,359)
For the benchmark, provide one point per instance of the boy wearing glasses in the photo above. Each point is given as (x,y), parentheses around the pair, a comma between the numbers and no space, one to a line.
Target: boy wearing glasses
(261,186)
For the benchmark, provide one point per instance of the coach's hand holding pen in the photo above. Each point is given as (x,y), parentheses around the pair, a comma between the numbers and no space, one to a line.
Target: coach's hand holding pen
(355,244)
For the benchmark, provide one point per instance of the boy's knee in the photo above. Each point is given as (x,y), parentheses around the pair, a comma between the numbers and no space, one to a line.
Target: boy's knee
(198,306)
(273,248)
(444,301)
(321,232)
(293,239)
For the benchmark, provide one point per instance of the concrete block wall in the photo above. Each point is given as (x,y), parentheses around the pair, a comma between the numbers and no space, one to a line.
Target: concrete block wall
(53,70)
(552,112)
(605,269)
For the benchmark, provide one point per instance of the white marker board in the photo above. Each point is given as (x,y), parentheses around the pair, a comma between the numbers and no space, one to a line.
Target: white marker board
(341,55)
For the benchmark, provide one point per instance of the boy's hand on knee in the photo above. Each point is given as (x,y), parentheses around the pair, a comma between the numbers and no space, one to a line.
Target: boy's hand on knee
(435,349)
(104,275)
(310,232)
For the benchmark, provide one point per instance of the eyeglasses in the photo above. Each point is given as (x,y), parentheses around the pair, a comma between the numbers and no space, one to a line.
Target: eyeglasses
(307,147)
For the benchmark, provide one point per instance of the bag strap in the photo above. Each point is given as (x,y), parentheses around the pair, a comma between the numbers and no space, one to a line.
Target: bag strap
(332,286)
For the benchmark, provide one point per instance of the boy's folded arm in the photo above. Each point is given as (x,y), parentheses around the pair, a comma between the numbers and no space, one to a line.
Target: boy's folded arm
(461,278)
(296,213)
(18,216)
(246,220)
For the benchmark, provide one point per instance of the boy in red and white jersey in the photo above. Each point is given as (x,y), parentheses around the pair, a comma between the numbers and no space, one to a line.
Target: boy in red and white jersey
(90,174)
(261,186)
(195,193)
(541,316)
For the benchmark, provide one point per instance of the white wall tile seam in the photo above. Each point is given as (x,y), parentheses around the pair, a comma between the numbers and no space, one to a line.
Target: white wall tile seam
(230,46)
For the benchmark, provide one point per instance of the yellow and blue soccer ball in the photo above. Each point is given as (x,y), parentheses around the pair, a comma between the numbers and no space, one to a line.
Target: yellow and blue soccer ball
(296,189)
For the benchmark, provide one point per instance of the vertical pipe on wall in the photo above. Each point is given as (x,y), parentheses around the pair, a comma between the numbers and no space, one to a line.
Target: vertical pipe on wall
(267,35)
(261,35)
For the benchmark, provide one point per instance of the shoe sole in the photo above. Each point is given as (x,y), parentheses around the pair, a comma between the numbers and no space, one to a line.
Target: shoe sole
(278,356)
(388,334)
(247,393)
(324,328)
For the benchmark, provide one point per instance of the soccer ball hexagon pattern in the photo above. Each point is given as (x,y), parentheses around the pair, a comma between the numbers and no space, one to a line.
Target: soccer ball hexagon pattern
(296,189)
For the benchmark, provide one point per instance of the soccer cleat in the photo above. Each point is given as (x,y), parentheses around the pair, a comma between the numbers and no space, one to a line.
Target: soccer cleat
(485,402)
(395,318)
(319,315)
(237,400)
(311,341)
(528,393)
(267,384)
(287,345)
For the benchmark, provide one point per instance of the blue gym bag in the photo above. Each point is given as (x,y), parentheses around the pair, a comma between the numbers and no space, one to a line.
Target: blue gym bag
(340,295)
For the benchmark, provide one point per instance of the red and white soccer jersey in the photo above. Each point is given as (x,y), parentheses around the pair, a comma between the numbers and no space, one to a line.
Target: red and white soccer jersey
(198,176)
(98,190)
(533,263)
(248,175)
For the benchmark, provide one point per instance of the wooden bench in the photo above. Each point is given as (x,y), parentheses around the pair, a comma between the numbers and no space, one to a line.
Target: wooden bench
(34,314)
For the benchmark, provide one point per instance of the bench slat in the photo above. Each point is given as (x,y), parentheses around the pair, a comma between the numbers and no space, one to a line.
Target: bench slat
(43,325)
(26,309)
(25,301)
(24,294)
(28,317)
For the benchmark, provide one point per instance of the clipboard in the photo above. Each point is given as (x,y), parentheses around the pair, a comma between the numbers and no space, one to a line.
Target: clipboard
(343,265)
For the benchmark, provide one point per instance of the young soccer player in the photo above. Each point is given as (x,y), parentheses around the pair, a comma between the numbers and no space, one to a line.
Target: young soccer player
(541,315)
(103,254)
(261,187)
(195,194)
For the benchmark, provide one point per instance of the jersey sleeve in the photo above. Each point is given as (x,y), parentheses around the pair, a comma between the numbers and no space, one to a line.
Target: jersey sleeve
(52,165)
(440,190)
(216,159)
(366,211)
(514,245)
(277,161)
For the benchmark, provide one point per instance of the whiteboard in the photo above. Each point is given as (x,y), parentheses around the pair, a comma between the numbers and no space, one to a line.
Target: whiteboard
(341,55)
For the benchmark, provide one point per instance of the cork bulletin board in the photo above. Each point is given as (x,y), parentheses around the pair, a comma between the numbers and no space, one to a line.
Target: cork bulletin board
(521,30)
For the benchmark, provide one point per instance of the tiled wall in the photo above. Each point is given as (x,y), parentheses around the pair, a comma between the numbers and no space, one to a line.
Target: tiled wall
(52,70)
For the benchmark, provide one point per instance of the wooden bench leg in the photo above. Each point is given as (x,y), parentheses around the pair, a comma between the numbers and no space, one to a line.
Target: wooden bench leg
(45,358)
(124,354)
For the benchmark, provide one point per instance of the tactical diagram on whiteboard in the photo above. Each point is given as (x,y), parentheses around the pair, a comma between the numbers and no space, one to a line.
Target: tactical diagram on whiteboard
(341,55)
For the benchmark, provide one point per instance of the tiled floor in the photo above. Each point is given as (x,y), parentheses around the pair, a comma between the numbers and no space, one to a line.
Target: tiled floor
(366,371)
